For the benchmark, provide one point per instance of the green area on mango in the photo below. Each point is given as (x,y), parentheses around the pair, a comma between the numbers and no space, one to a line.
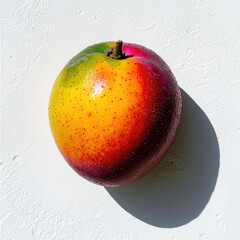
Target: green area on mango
(84,62)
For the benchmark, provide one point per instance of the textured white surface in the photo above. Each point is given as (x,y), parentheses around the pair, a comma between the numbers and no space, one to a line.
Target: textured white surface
(195,191)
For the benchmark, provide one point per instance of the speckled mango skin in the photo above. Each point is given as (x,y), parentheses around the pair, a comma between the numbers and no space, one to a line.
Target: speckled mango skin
(113,120)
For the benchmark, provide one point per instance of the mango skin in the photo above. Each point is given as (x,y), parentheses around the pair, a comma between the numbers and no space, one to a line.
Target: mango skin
(113,120)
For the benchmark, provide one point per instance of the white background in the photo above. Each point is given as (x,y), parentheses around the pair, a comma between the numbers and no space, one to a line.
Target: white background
(195,191)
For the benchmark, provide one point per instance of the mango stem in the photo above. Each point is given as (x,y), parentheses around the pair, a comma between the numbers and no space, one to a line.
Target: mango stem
(116,52)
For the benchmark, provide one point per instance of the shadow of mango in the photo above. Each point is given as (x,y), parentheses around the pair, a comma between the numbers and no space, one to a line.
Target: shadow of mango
(177,191)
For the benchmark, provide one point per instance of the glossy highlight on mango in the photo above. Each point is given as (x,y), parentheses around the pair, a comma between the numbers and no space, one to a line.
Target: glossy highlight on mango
(114,111)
